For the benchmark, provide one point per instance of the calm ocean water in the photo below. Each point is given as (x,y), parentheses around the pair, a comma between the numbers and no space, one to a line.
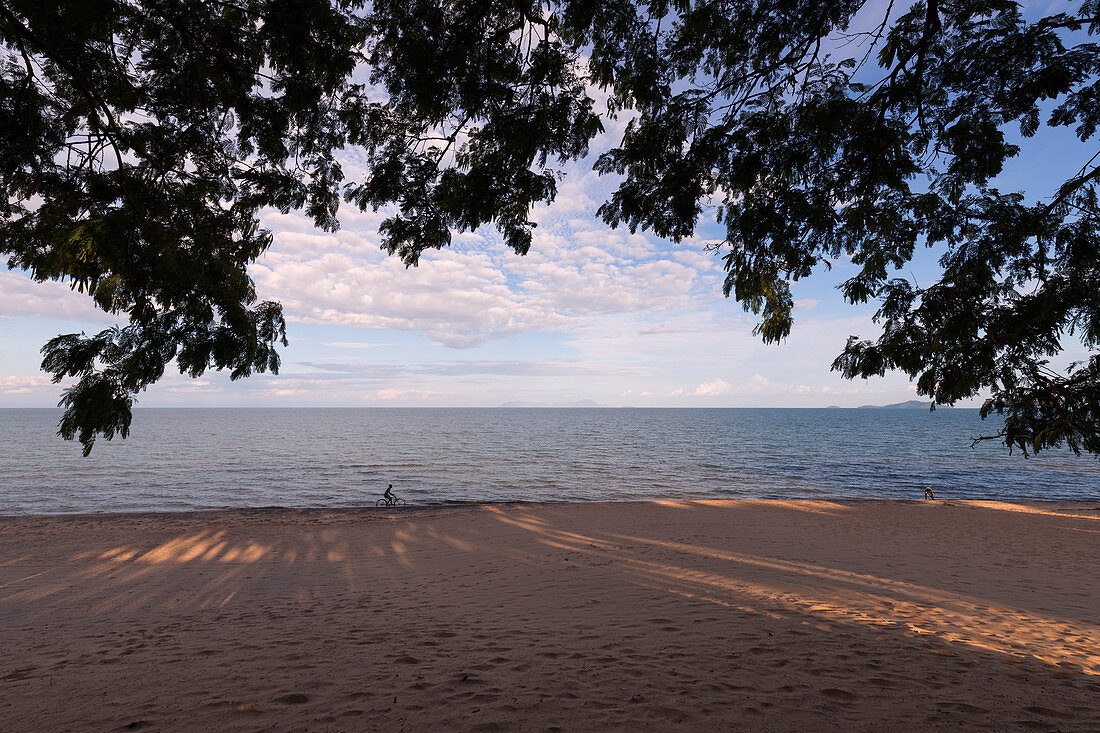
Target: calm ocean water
(180,459)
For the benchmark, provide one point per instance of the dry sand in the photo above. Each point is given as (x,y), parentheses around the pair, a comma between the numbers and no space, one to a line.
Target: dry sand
(738,615)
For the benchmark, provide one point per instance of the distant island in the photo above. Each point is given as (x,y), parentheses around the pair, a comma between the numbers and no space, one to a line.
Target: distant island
(907,405)
(578,403)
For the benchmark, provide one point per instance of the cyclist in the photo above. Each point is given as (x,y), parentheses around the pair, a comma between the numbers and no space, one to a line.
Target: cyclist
(389,495)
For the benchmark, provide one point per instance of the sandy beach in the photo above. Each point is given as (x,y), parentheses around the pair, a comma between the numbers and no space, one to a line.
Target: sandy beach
(710,615)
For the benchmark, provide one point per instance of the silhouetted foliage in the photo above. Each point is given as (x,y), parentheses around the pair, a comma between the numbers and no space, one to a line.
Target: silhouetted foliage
(139,141)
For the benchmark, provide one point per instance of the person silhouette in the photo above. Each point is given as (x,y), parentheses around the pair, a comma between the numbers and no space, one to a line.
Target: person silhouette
(389,495)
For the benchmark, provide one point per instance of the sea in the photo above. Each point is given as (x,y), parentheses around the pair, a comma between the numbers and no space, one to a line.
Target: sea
(196,459)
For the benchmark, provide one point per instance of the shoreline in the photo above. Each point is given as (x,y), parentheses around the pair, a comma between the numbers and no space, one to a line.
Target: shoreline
(864,614)
(1073,505)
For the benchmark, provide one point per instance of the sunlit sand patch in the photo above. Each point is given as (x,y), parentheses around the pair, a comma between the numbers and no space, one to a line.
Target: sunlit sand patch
(813,506)
(810,506)
(1000,630)
(401,552)
(952,617)
(249,553)
(791,566)
(559,545)
(659,583)
(675,504)
(594,542)
(458,544)
(26,577)
(1005,506)
(34,593)
(522,524)
(181,549)
(526,515)
(1082,529)
(214,551)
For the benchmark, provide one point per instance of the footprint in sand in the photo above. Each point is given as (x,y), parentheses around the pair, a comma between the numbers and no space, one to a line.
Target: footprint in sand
(294,698)
(962,707)
(674,715)
(838,695)
(1047,712)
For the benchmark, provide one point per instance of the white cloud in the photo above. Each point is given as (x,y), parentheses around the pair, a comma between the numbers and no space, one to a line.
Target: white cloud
(578,271)
(407,395)
(22,296)
(713,388)
(23,385)
(456,298)
(476,290)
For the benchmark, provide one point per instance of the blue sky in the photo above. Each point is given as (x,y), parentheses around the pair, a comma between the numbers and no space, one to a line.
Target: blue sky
(590,314)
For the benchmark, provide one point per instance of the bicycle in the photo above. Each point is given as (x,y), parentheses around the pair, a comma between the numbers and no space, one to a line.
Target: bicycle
(395,501)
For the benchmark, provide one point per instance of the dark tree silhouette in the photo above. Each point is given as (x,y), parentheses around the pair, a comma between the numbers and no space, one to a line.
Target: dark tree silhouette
(140,140)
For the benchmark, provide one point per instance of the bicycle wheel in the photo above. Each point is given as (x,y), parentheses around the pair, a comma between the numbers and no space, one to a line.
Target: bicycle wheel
(399,502)
(380,502)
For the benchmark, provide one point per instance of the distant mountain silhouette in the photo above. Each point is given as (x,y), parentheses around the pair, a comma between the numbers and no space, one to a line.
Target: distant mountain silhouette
(907,405)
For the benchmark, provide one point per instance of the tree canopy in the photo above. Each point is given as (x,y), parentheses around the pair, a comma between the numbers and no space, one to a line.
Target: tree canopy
(141,139)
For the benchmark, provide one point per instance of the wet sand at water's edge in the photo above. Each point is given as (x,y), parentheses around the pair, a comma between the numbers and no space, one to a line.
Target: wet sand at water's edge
(710,615)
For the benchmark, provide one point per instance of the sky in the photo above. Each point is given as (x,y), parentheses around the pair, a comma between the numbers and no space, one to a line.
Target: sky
(590,314)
